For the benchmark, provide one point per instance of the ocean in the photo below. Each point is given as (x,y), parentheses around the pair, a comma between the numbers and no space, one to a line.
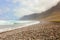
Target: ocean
(11,25)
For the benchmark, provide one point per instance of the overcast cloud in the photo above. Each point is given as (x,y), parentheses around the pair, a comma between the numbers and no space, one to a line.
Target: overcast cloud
(14,9)
(28,7)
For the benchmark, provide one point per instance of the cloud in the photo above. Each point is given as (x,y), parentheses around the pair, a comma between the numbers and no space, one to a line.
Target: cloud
(7,0)
(1,11)
(21,12)
(6,9)
(33,6)
(14,1)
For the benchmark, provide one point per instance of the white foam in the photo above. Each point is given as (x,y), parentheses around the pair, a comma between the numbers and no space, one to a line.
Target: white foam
(19,26)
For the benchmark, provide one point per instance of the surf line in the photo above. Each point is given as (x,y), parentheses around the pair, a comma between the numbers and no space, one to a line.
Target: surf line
(13,28)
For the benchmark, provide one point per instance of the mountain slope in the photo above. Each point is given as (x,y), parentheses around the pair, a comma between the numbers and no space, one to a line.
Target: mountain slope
(48,15)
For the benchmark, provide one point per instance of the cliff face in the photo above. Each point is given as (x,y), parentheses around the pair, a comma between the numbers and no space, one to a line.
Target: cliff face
(55,15)
(45,15)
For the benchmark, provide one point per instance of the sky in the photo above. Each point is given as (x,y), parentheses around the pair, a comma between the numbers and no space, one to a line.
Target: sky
(15,9)
(6,10)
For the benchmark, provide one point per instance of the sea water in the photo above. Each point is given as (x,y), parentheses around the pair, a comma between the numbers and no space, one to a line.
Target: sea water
(13,24)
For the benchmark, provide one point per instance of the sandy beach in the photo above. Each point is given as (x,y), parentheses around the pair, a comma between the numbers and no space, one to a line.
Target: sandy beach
(43,31)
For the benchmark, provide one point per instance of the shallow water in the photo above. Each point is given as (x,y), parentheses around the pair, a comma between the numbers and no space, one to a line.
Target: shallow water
(10,25)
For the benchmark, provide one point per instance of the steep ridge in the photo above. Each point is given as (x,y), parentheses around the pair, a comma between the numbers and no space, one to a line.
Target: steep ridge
(45,15)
